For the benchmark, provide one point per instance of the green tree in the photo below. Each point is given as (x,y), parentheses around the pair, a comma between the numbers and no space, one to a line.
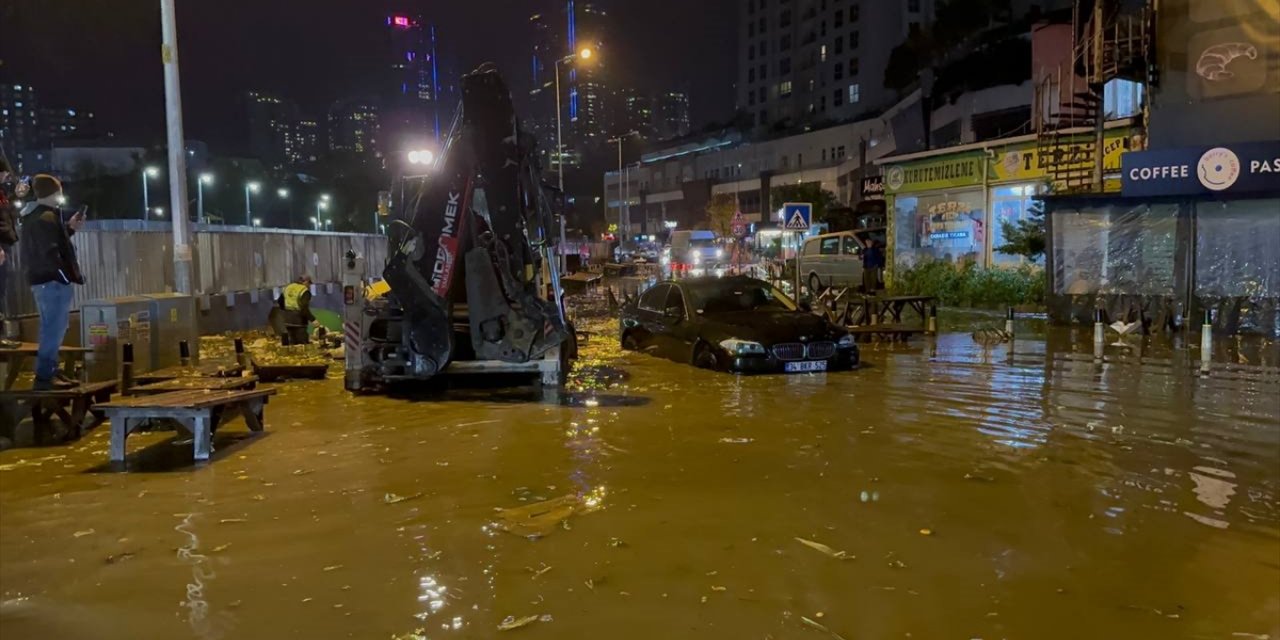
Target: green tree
(720,214)
(824,202)
(1025,237)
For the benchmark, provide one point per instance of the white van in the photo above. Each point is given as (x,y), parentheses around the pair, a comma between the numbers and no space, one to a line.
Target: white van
(695,249)
(835,259)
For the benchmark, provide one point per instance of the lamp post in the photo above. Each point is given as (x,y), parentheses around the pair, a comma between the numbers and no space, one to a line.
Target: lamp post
(585,54)
(250,188)
(149,172)
(321,206)
(204,179)
(624,197)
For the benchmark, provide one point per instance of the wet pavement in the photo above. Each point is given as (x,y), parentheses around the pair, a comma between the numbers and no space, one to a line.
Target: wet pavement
(947,490)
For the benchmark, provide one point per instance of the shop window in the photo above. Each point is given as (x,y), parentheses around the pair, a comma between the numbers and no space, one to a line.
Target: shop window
(1009,204)
(1115,250)
(947,226)
(1238,249)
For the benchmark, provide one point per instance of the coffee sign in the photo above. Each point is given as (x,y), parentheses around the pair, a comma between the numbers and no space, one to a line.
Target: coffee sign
(1252,167)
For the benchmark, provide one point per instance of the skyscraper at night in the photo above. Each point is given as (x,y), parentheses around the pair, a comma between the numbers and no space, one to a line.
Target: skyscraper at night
(411,98)
(272,120)
(671,114)
(563,29)
(21,132)
(355,128)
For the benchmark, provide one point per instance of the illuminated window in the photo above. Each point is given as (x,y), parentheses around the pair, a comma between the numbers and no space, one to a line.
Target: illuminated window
(822,53)
(784,89)
(855,93)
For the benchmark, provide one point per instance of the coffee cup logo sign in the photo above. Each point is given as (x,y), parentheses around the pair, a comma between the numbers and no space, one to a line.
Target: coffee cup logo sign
(895,177)
(1218,169)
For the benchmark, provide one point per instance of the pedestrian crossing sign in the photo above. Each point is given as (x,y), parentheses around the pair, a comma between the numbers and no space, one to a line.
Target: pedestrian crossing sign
(797,216)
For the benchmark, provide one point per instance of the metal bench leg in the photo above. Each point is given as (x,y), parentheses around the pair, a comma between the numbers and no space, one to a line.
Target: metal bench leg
(203,437)
(119,432)
(253,414)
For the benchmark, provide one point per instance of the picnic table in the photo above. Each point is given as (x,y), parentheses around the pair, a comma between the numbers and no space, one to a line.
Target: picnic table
(193,409)
(72,407)
(268,372)
(191,384)
(206,370)
(14,359)
(868,310)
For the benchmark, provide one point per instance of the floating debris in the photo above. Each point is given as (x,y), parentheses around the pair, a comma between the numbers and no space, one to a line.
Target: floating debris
(736,440)
(511,622)
(222,547)
(717,588)
(232,520)
(926,532)
(113,559)
(392,498)
(332,567)
(81,534)
(541,518)
(818,546)
(813,624)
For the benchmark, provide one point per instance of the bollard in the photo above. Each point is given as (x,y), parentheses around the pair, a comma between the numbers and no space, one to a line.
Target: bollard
(932,325)
(1008,323)
(240,354)
(184,353)
(1099,330)
(1206,340)
(126,368)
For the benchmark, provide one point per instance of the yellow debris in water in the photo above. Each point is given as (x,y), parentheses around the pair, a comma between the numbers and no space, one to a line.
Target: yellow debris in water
(926,532)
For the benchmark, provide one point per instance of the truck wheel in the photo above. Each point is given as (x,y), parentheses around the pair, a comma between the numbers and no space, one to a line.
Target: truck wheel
(629,342)
(815,284)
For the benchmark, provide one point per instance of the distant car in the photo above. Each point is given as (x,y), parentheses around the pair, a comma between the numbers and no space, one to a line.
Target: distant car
(835,259)
(734,324)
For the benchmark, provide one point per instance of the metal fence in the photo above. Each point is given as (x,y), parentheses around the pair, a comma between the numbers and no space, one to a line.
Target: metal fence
(132,257)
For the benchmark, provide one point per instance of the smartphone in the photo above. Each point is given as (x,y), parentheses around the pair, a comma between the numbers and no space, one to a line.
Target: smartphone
(83,211)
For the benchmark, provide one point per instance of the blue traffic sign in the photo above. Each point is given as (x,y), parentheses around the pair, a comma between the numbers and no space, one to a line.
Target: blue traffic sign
(797,216)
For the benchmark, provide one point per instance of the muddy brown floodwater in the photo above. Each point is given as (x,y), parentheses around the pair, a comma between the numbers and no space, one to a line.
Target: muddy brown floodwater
(947,490)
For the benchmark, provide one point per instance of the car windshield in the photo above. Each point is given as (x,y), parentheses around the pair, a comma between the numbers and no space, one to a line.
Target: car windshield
(729,296)
(702,244)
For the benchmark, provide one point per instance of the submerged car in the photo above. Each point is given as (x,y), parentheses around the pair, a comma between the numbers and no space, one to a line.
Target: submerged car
(734,324)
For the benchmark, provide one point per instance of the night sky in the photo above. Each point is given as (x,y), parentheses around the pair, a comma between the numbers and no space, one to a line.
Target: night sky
(103,55)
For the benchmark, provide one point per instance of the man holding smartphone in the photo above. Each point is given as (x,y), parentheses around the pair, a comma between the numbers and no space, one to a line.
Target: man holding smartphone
(50,261)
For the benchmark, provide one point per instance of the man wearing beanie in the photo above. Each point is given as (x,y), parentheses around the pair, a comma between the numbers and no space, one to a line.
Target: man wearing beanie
(50,261)
(8,237)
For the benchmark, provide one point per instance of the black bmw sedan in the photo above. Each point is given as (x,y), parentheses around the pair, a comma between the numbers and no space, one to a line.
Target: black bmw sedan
(734,324)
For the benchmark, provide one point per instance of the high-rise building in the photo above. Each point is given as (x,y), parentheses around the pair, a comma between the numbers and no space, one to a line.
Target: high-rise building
(354,127)
(410,114)
(671,114)
(68,124)
(21,131)
(271,121)
(588,25)
(804,62)
(564,29)
(633,111)
(304,145)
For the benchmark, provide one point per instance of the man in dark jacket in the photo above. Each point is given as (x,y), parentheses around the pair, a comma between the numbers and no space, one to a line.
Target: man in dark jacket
(8,238)
(872,265)
(50,262)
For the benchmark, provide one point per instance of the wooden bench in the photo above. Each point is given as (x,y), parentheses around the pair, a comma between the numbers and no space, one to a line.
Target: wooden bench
(191,384)
(12,360)
(276,372)
(209,370)
(73,407)
(193,410)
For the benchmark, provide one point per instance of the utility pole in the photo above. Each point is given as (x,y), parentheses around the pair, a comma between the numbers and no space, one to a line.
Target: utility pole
(177,150)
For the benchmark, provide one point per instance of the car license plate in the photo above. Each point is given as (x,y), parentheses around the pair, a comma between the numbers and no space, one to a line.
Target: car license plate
(805,367)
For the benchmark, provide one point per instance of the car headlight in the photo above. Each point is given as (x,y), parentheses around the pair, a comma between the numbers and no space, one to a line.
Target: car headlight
(697,259)
(719,253)
(742,347)
(846,341)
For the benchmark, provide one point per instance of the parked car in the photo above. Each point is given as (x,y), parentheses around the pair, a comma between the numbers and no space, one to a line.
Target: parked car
(737,324)
(695,252)
(835,259)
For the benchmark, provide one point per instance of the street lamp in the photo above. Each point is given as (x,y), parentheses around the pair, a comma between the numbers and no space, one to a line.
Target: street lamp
(159,212)
(249,187)
(149,172)
(205,178)
(624,197)
(328,224)
(283,193)
(585,54)
(257,222)
(321,206)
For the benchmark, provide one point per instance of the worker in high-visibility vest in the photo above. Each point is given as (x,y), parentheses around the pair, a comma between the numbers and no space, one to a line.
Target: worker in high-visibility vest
(295,301)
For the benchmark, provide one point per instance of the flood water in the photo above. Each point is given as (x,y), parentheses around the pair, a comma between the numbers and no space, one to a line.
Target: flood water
(960,490)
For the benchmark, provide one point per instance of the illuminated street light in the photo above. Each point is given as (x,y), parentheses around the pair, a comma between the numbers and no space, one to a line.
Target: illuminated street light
(159,212)
(584,54)
(205,178)
(148,172)
(257,222)
(283,193)
(250,188)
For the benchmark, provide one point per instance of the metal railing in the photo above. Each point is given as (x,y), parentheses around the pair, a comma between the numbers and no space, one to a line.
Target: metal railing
(124,258)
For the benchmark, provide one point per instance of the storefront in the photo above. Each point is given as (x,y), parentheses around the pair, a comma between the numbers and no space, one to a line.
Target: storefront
(1193,229)
(951,205)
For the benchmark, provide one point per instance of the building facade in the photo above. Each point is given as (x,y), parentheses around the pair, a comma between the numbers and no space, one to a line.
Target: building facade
(806,61)
(21,131)
(272,120)
(355,128)
(671,114)
(410,113)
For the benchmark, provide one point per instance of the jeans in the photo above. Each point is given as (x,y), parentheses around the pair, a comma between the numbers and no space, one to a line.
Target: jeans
(53,301)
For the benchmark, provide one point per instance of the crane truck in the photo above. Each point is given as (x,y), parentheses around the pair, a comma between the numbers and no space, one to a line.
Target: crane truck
(470,285)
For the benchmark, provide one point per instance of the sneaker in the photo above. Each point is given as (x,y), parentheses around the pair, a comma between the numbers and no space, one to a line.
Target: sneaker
(65,379)
(9,344)
(54,384)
